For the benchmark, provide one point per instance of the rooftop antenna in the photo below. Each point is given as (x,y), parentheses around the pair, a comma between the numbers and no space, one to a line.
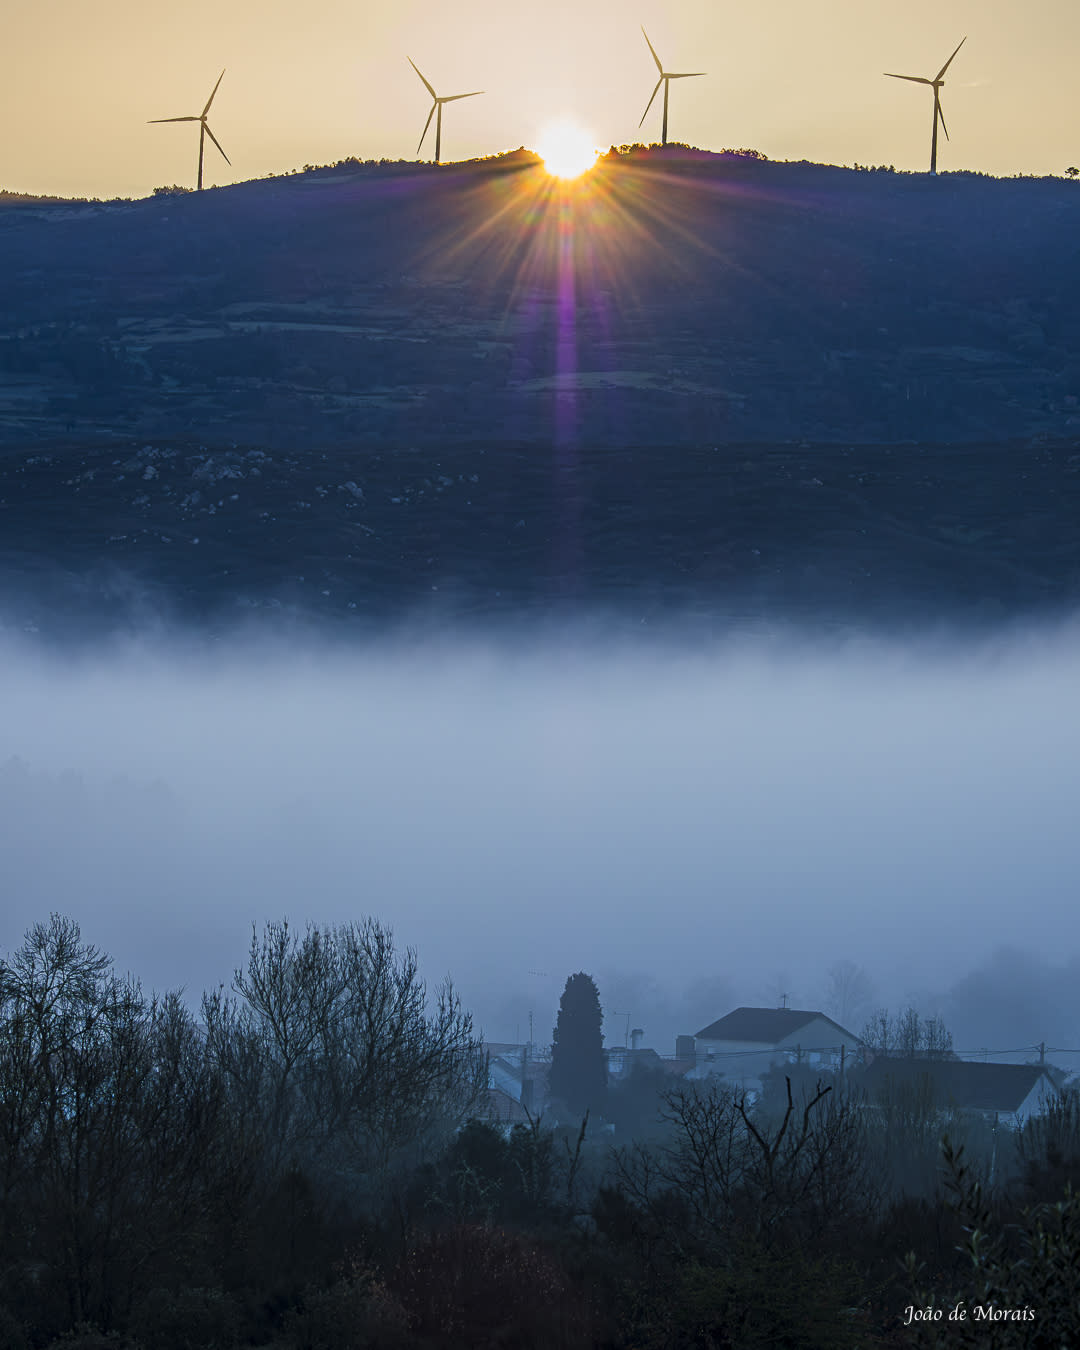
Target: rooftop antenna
(939,116)
(626,1040)
(666,76)
(542,973)
(436,108)
(204,130)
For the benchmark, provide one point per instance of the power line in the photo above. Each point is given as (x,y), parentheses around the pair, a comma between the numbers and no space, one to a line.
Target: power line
(936,1055)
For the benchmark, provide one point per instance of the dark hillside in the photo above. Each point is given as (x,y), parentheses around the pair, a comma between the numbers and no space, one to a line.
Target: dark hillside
(691,380)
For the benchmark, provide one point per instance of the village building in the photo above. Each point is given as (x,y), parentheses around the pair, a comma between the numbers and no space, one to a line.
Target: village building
(749,1041)
(1010,1093)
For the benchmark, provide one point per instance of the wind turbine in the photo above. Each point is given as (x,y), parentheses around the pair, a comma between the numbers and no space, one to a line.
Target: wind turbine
(437,106)
(935,84)
(204,129)
(665,79)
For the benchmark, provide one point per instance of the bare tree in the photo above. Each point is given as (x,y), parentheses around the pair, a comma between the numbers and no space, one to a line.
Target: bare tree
(879,1032)
(332,1044)
(937,1039)
(727,1169)
(848,992)
(908,1035)
(109,1117)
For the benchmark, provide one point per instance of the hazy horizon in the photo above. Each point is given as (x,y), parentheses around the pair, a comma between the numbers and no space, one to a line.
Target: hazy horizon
(695,824)
(320,85)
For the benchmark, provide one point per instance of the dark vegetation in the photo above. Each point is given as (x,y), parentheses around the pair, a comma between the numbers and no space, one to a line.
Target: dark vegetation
(578,1074)
(707,384)
(304,1164)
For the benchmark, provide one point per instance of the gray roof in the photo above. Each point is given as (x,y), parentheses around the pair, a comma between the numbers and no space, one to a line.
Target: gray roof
(768,1026)
(966,1085)
(502,1107)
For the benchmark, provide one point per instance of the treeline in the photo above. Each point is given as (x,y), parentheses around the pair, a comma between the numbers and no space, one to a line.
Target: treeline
(146,1153)
(305,1163)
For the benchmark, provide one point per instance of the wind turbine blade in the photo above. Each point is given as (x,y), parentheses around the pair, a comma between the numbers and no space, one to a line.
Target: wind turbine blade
(686,75)
(945,129)
(426,85)
(952,58)
(152,120)
(452,98)
(650,103)
(659,67)
(915,79)
(224,156)
(430,115)
(211,98)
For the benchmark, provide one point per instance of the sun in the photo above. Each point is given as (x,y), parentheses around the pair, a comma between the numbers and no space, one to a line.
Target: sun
(566,149)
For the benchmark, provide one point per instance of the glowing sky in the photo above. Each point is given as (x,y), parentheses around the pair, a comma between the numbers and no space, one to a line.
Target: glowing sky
(313,83)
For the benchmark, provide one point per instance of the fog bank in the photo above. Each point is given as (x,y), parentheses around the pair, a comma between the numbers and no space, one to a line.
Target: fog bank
(706,819)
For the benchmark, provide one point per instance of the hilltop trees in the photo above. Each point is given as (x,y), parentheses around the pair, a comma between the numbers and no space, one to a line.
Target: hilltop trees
(578,1074)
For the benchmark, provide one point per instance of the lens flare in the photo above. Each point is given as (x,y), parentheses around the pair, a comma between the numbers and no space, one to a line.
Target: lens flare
(566,149)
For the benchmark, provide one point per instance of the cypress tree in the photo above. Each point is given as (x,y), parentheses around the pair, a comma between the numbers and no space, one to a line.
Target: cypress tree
(578,1074)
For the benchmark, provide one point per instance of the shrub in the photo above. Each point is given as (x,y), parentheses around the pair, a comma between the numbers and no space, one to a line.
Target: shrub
(12,1332)
(762,1298)
(1031,1269)
(86,1336)
(479,1288)
(190,1319)
(355,1313)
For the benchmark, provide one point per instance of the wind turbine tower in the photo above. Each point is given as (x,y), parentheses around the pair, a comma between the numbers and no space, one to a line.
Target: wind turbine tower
(666,76)
(939,116)
(204,129)
(436,110)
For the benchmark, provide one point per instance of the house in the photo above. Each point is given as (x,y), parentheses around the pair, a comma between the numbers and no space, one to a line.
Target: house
(1009,1092)
(622,1061)
(503,1110)
(520,1071)
(749,1041)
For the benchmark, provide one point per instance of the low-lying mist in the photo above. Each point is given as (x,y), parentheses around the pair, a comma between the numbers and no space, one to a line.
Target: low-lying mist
(697,826)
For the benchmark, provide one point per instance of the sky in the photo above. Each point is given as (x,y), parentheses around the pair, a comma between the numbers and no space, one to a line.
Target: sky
(315,83)
(696,826)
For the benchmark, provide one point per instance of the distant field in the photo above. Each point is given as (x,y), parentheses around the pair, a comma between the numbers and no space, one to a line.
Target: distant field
(102,533)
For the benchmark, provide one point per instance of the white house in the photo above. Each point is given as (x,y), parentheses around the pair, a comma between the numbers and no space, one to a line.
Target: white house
(749,1041)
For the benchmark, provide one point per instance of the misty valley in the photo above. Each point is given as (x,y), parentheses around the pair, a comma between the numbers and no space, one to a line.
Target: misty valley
(538,760)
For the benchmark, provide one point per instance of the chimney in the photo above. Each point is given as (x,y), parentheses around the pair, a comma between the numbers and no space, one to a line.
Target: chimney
(684,1047)
(636,1037)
